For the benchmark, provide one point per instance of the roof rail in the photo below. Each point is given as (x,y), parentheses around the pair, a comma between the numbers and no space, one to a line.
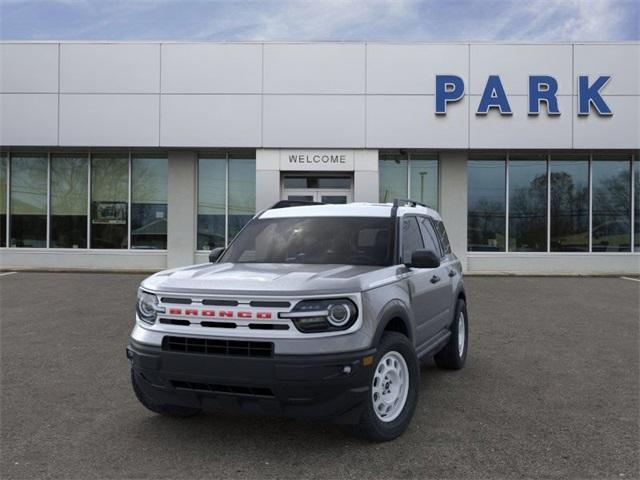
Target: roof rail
(294,203)
(401,202)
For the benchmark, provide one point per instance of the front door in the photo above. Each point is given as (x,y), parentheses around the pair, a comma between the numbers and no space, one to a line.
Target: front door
(314,188)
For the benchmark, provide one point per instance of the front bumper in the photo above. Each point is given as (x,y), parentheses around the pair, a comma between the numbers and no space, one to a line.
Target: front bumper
(311,386)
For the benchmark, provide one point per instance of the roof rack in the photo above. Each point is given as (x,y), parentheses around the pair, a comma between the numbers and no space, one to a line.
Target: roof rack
(294,203)
(402,202)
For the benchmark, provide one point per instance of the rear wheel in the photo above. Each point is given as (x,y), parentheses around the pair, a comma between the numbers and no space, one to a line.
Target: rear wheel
(454,353)
(169,410)
(394,390)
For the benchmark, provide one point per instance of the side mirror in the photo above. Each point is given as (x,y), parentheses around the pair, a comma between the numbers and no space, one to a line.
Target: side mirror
(215,254)
(424,259)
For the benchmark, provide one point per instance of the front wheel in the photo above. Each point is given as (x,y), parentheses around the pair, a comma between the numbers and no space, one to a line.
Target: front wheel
(454,353)
(394,390)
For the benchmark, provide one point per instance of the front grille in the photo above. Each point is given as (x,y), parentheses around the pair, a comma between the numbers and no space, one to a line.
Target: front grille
(215,388)
(209,346)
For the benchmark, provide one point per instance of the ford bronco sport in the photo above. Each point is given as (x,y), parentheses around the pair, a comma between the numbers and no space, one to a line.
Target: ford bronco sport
(321,311)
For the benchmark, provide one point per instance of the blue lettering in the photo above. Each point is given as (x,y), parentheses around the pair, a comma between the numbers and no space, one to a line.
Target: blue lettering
(590,95)
(538,94)
(494,97)
(449,88)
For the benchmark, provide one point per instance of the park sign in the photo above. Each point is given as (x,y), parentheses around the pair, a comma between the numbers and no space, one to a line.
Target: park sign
(542,90)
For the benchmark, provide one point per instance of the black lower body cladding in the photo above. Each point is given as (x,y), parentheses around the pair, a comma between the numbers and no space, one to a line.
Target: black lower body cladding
(306,386)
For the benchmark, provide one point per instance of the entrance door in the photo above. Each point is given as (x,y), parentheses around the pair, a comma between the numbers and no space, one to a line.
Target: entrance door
(324,189)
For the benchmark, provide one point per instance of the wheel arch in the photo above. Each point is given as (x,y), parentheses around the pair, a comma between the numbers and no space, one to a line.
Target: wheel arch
(395,318)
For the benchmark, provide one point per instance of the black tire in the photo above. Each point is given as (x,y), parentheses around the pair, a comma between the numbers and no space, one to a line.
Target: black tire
(450,357)
(169,410)
(371,426)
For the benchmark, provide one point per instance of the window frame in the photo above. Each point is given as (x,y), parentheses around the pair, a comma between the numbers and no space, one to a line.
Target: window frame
(409,157)
(224,156)
(633,159)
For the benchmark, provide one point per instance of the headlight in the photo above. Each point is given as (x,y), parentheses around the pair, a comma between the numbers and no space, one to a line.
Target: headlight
(147,306)
(313,316)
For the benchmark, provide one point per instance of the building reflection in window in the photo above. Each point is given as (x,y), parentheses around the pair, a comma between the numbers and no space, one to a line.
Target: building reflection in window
(68,201)
(424,178)
(527,203)
(109,197)
(149,184)
(242,192)
(569,203)
(211,202)
(636,202)
(611,185)
(393,176)
(28,226)
(486,199)
(4,162)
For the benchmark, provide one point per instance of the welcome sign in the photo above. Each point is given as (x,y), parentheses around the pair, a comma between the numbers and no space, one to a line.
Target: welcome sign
(317,160)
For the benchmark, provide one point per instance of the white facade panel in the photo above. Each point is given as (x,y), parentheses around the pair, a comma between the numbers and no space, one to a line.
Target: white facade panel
(314,68)
(620,130)
(28,68)
(514,64)
(28,119)
(109,68)
(210,120)
(109,120)
(621,62)
(221,68)
(521,130)
(409,121)
(322,121)
(411,69)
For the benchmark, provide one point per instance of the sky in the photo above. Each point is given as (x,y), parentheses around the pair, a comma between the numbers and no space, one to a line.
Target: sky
(321,20)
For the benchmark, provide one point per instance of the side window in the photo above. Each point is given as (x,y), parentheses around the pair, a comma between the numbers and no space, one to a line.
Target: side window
(444,238)
(411,238)
(429,235)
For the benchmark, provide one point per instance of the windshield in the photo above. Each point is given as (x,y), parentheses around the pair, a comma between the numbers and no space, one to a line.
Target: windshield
(341,240)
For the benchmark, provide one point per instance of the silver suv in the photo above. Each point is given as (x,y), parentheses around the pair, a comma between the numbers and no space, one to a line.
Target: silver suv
(312,311)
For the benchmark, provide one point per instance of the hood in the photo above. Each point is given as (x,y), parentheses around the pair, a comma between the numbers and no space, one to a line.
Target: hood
(267,278)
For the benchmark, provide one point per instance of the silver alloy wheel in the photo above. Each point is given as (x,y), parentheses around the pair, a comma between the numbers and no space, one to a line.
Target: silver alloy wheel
(390,386)
(462,332)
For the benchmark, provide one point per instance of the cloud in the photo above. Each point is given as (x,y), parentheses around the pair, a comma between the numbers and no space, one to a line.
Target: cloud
(327,20)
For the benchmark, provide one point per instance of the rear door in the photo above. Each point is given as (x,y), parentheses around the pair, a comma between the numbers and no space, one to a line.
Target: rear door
(440,280)
(422,289)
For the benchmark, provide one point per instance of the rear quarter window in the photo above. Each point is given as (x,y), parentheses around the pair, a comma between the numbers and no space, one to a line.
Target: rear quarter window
(442,234)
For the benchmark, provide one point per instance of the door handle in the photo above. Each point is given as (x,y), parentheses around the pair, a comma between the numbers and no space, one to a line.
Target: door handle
(435,279)
(452,273)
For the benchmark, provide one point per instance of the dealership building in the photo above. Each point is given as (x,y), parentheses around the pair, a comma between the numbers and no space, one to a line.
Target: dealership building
(143,156)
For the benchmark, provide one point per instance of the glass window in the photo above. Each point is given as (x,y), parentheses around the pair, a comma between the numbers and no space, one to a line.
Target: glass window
(3,199)
(149,183)
(317,182)
(569,203)
(309,240)
(393,176)
(211,202)
(429,236)
(611,228)
(424,179)
(242,193)
(486,204)
(636,201)
(444,238)
(28,201)
(109,197)
(69,201)
(528,203)
(411,238)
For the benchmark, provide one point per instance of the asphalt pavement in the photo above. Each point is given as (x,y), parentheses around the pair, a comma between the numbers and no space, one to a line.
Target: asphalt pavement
(550,390)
